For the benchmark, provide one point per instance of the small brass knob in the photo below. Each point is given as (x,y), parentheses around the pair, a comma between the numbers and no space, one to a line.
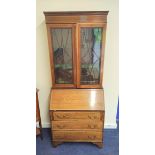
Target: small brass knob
(92,137)
(60,126)
(91,126)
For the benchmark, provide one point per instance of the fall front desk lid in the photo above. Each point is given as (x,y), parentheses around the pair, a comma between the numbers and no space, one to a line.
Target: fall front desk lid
(77,99)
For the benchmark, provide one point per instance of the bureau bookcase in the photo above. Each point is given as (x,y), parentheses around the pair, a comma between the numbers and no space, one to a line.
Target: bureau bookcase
(76,46)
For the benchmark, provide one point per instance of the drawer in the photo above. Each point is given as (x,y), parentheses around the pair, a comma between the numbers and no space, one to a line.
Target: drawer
(75,125)
(78,136)
(77,115)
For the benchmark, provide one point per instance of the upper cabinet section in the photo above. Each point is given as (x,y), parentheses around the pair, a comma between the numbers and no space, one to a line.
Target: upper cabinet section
(76,46)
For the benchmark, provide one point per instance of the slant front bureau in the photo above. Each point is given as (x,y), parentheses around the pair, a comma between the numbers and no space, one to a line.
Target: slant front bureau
(76,43)
(77,115)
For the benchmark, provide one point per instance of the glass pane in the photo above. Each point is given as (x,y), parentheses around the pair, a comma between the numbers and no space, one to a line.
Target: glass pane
(91,44)
(62,48)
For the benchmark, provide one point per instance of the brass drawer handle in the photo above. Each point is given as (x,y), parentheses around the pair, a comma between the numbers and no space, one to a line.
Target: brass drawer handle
(92,137)
(92,117)
(59,116)
(92,126)
(62,116)
(66,116)
(60,126)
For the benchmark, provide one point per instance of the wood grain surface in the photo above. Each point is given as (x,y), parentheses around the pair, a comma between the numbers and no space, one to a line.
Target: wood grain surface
(91,136)
(77,125)
(77,99)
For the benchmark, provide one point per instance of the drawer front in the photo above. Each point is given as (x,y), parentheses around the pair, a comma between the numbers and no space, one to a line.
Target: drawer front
(75,125)
(77,115)
(90,136)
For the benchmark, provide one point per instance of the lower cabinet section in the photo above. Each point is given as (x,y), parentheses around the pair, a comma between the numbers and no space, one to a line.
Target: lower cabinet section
(77,136)
(77,126)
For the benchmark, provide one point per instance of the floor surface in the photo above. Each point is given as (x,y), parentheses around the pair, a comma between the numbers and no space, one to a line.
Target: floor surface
(111,145)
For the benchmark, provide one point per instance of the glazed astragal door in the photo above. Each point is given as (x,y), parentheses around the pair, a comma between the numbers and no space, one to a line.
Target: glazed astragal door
(90,55)
(62,51)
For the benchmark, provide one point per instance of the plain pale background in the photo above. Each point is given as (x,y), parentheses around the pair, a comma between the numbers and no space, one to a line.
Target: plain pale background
(136,76)
(43,76)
